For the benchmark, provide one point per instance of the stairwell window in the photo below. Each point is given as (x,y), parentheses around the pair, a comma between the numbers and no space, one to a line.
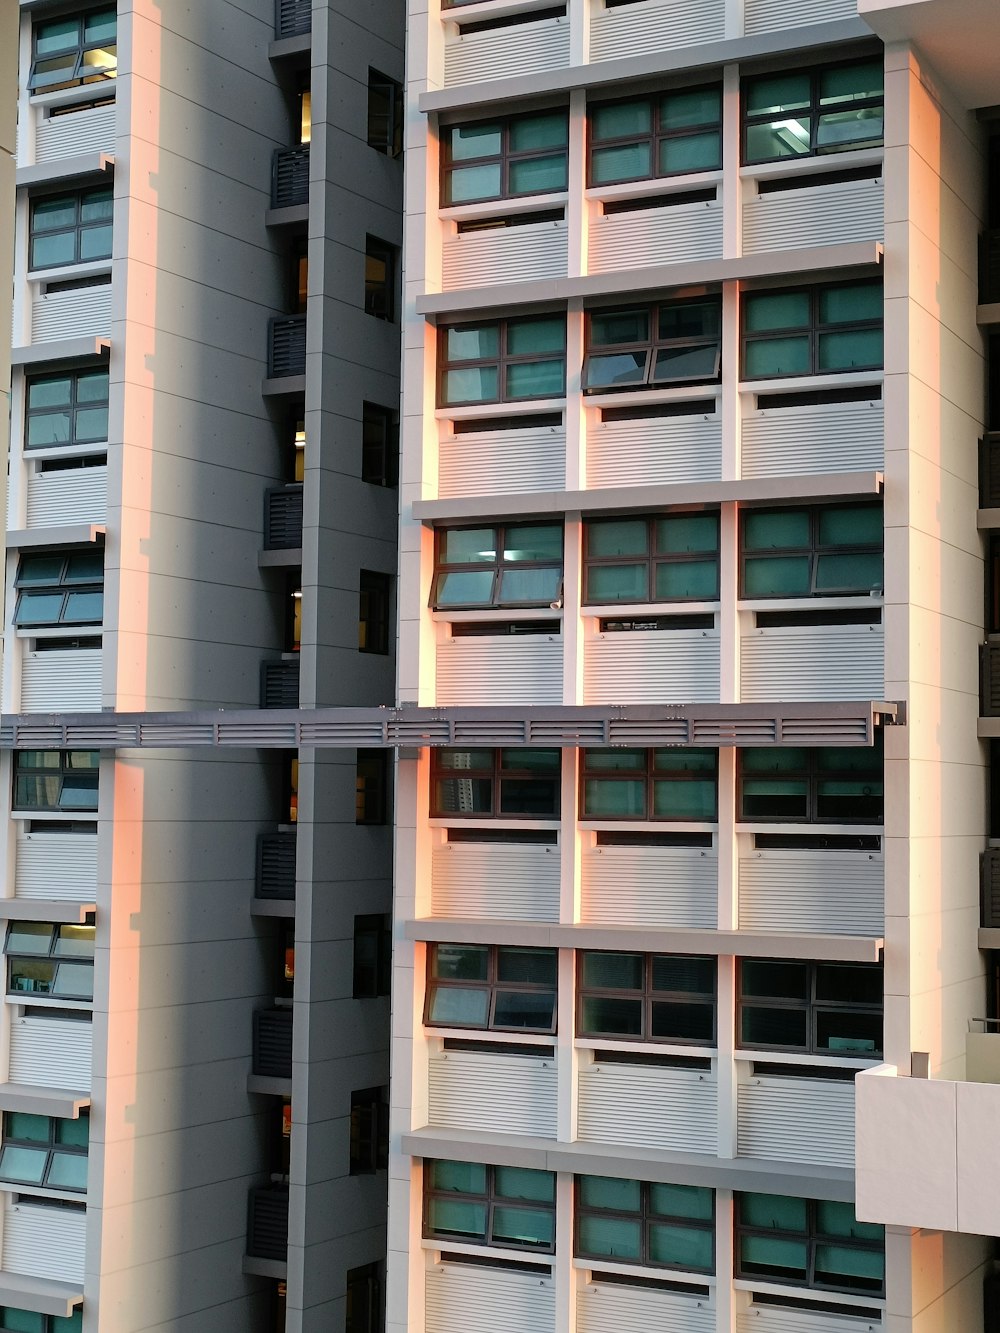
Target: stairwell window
(45,959)
(380,278)
(812,331)
(60,588)
(674,784)
(44,1151)
(673,134)
(517,565)
(58,780)
(385,114)
(673,342)
(815,551)
(66,408)
(662,559)
(513,1208)
(826,785)
(505,159)
(812,1007)
(813,1243)
(646,997)
(375,598)
(520,783)
(506,361)
(491,987)
(74,50)
(70,228)
(643,1222)
(808,113)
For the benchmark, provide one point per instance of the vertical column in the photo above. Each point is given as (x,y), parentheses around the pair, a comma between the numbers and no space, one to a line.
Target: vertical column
(579,32)
(563,1272)
(725,1321)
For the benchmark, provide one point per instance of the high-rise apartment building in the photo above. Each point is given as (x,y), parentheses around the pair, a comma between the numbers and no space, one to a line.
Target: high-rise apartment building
(694,387)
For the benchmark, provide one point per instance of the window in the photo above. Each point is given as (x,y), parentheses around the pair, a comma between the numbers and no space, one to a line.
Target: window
(74,50)
(507,361)
(504,784)
(809,112)
(364,1300)
(379,445)
(676,342)
(372,956)
(812,331)
(808,1243)
(491,987)
(380,279)
(304,117)
(505,159)
(516,565)
(819,1008)
(41,1150)
(372,787)
(385,114)
(676,784)
(821,551)
(507,1206)
(71,228)
(373,614)
(826,785)
(56,779)
(646,997)
(638,1222)
(27,1321)
(662,559)
(43,959)
(669,135)
(369,1131)
(60,588)
(69,408)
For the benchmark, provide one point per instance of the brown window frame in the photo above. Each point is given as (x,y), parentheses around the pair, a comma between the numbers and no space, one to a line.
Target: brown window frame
(497,775)
(502,360)
(654,137)
(492,986)
(652,345)
(652,560)
(811,1006)
(649,776)
(506,157)
(498,566)
(647,995)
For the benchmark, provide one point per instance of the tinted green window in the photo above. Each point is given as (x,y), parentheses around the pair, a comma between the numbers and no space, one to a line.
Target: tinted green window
(673,134)
(801,114)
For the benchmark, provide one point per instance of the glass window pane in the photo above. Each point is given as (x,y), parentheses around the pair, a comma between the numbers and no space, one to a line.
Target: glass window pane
(779,92)
(533,543)
(681,1247)
(50,393)
(465,759)
(849,1266)
(473,344)
(849,573)
(25,1165)
(31,937)
(615,761)
(618,537)
(770,358)
(784,1260)
(782,576)
(92,388)
(54,214)
(786,529)
(533,1227)
(683,800)
(29,1128)
(612,971)
(782,138)
(692,1201)
(689,319)
(626,162)
(463,1177)
(21,1321)
(95,243)
(845,1033)
(456,1006)
(767,311)
(535,379)
(858,350)
(838,1219)
(97,206)
(101,26)
(56,35)
(39,569)
(67,1171)
(458,962)
(692,579)
(687,532)
(764,1026)
(850,305)
(50,251)
(683,1022)
(531,336)
(691,152)
(529,587)
(457,1217)
(773,1212)
(610,1237)
(840,130)
(847,525)
(686,363)
(619,327)
(853,83)
(680,972)
(621,1196)
(615,369)
(847,984)
(50,428)
(37,608)
(536,798)
(75,1133)
(525,1010)
(534,966)
(619,1018)
(49,73)
(685,761)
(84,608)
(529,761)
(32,977)
(544,131)
(698,106)
(461,546)
(91,424)
(482,182)
(74,979)
(761,976)
(618,583)
(465,589)
(619,120)
(538,175)
(464,796)
(515,1182)
(610,799)
(479,384)
(74,942)
(472,141)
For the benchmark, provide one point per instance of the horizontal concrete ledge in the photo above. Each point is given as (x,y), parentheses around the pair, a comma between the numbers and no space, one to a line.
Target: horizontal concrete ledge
(989,937)
(785,264)
(987,519)
(276,1268)
(691,940)
(988,728)
(70,534)
(632,1162)
(66,168)
(286,217)
(691,58)
(272,907)
(62,349)
(283,384)
(279,559)
(618,498)
(269,1087)
(59,1102)
(289,46)
(45,909)
(39,1294)
(988,314)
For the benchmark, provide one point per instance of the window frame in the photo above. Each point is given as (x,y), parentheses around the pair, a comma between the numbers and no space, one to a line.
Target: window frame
(374,612)
(52,1148)
(63,585)
(813,774)
(379,458)
(371,791)
(72,1323)
(649,776)
(368,1150)
(815,330)
(75,407)
(497,774)
(647,995)
(369,1281)
(814,111)
(647,1220)
(812,1007)
(651,346)
(77,228)
(499,566)
(503,359)
(81,46)
(51,957)
(380,298)
(493,1199)
(388,142)
(812,1237)
(493,986)
(27,772)
(815,551)
(653,559)
(372,977)
(654,137)
(507,157)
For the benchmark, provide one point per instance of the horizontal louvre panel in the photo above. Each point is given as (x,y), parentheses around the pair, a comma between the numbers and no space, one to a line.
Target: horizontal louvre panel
(72,314)
(496,881)
(500,53)
(501,1094)
(805,441)
(790,890)
(67,682)
(657,236)
(764,1319)
(293,18)
(817,215)
(76,495)
(611,1308)
(57,865)
(51,1052)
(283,518)
(796,1120)
(272,1043)
(276,854)
(507,254)
(287,346)
(650,886)
(497,462)
(655,25)
(652,667)
(45,1242)
(89,131)
(279,684)
(462,1298)
(771,15)
(506,669)
(652,1107)
(267,1230)
(290,177)
(630,453)
(829,662)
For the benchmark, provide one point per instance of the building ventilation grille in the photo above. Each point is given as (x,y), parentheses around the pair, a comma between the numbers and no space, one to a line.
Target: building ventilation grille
(279,684)
(293,18)
(283,518)
(267,1224)
(290,177)
(286,352)
(276,865)
(272,1043)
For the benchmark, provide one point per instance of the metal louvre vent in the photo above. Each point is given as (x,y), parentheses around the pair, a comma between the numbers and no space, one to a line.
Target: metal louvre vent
(286,350)
(272,1043)
(290,177)
(989,661)
(293,18)
(990,867)
(267,1223)
(279,684)
(989,266)
(276,865)
(283,517)
(989,472)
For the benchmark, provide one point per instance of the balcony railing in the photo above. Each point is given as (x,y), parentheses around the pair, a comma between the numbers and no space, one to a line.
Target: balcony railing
(292,18)
(276,866)
(290,177)
(989,472)
(286,349)
(989,680)
(989,267)
(279,684)
(283,517)
(272,1043)
(267,1223)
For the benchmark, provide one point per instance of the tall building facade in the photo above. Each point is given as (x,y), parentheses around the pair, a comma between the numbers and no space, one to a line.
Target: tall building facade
(694,386)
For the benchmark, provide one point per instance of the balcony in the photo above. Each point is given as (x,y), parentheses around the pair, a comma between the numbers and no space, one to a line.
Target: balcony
(292,18)
(279,684)
(283,518)
(267,1223)
(989,267)
(290,177)
(272,1043)
(286,346)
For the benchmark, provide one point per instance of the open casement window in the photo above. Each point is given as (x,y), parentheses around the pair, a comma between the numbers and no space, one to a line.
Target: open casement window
(505,159)
(45,1151)
(806,113)
(71,228)
(811,1007)
(63,780)
(515,565)
(491,987)
(379,446)
(76,49)
(646,997)
(385,114)
(674,134)
(60,588)
(812,331)
(506,361)
(640,1222)
(66,408)
(45,959)
(380,278)
(369,1148)
(510,1207)
(820,551)
(808,1243)
(363,1312)
(13,1320)
(675,342)
(828,785)
(673,784)
(519,783)
(663,559)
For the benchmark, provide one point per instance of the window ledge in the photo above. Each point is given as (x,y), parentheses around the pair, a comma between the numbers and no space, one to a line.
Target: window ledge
(490,9)
(32,1001)
(646,1048)
(849,379)
(499,615)
(496,1252)
(806,1293)
(792,1058)
(492,1035)
(55,815)
(90,92)
(495,208)
(598,1266)
(814,166)
(30,1192)
(653,397)
(70,534)
(791,604)
(45,909)
(658,187)
(649,611)
(44,453)
(814,830)
(501,825)
(93,268)
(470,411)
(60,632)
(40,1295)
